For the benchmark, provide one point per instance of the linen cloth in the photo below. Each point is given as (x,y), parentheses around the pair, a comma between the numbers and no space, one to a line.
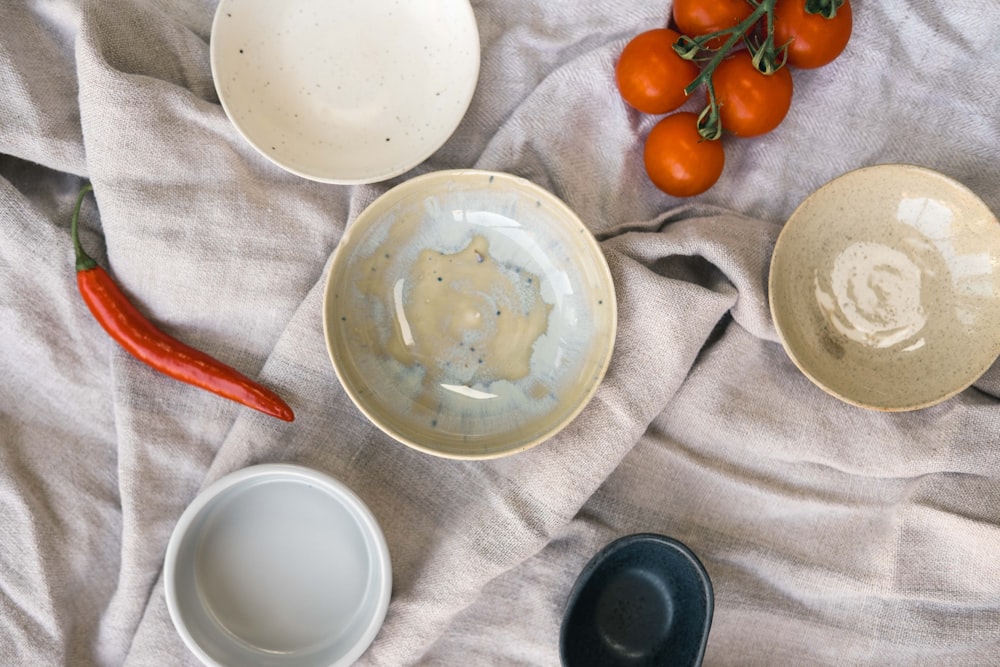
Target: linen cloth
(833,535)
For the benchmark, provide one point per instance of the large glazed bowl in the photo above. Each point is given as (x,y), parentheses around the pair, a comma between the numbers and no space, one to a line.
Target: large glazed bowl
(469,314)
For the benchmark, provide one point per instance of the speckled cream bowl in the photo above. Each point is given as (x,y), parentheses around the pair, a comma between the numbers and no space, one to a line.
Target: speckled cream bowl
(885,287)
(355,91)
(469,314)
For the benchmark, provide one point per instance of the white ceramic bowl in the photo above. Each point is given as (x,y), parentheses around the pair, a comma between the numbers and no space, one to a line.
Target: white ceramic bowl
(469,314)
(353,91)
(885,287)
(279,566)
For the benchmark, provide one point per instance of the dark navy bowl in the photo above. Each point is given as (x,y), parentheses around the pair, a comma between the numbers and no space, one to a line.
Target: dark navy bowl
(644,599)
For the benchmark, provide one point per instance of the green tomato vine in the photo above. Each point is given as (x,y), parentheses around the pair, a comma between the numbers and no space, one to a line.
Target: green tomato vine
(767,57)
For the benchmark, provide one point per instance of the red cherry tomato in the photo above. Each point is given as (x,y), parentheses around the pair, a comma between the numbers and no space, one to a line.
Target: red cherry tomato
(678,160)
(695,18)
(751,102)
(813,40)
(650,75)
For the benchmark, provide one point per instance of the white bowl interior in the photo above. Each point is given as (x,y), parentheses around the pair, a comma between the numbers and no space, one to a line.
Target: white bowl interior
(279,566)
(353,91)
(885,287)
(469,314)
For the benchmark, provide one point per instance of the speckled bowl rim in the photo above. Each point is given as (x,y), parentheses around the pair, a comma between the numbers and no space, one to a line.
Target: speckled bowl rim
(416,183)
(465,100)
(780,247)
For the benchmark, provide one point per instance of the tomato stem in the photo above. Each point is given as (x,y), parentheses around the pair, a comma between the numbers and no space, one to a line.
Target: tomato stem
(689,48)
(709,123)
(826,8)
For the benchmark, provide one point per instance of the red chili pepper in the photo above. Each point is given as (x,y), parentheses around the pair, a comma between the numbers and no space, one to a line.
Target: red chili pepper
(112,309)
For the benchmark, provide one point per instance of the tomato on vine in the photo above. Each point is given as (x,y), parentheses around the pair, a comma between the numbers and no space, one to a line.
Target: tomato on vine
(696,18)
(651,76)
(738,51)
(750,102)
(678,160)
(813,38)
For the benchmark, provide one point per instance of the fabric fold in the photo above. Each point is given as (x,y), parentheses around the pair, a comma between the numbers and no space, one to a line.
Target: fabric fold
(833,534)
(493,515)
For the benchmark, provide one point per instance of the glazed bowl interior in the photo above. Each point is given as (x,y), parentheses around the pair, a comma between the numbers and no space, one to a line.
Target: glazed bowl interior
(469,314)
(885,287)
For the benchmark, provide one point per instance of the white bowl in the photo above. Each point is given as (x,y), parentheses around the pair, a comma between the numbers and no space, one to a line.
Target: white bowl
(469,314)
(354,91)
(279,566)
(885,287)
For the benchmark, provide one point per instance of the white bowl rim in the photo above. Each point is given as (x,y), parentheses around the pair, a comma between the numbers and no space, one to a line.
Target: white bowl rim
(281,471)
(464,103)
(591,241)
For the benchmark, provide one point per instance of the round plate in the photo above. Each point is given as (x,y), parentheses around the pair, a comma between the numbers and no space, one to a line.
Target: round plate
(354,91)
(469,314)
(277,565)
(885,287)
(644,599)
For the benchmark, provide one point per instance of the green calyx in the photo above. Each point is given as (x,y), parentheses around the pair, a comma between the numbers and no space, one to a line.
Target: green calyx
(766,58)
(84,262)
(826,8)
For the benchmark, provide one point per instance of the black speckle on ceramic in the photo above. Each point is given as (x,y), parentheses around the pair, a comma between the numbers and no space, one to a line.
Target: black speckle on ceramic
(644,599)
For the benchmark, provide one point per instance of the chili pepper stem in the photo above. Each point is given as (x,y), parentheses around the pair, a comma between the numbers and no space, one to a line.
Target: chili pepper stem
(709,124)
(84,261)
(140,337)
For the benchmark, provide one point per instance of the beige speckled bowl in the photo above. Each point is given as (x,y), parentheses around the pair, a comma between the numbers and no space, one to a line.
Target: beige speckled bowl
(345,92)
(469,314)
(885,287)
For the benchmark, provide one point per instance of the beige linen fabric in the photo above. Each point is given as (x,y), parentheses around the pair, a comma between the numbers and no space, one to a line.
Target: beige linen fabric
(833,535)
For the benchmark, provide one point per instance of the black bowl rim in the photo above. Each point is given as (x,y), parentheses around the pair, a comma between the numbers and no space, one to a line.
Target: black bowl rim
(626,542)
